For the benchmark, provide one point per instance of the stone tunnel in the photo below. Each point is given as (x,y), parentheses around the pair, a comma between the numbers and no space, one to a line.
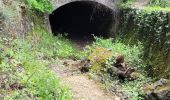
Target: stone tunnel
(83,18)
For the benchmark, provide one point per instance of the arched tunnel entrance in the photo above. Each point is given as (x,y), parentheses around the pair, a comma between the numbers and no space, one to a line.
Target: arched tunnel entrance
(81,19)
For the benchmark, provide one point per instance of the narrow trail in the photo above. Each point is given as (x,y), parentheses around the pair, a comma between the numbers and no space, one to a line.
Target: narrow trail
(82,87)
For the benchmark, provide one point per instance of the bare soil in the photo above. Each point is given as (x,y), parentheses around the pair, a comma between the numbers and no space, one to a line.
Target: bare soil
(82,87)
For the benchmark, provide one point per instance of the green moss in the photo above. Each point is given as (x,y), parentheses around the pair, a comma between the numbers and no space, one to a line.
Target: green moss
(98,57)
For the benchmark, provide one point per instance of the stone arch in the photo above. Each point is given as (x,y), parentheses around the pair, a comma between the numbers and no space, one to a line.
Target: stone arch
(109,3)
(83,18)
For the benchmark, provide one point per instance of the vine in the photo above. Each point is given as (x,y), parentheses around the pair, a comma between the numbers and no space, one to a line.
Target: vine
(152,29)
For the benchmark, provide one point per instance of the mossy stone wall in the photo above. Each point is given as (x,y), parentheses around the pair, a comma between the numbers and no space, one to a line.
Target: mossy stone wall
(152,28)
(16,19)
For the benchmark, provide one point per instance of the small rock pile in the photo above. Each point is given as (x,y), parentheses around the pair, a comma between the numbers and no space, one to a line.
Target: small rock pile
(159,90)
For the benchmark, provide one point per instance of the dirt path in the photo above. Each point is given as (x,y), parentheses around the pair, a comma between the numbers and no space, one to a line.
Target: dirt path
(83,88)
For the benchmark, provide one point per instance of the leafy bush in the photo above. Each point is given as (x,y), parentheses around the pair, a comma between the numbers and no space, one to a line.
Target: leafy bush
(152,29)
(161,3)
(133,54)
(24,62)
(54,46)
(102,55)
(134,89)
(125,3)
(40,5)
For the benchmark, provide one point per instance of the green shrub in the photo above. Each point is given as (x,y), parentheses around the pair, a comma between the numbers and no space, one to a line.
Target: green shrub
(134,89)
(45,85)
(99,52)
(40,5)
(151,27)
(125,3)
(132,53)
(54,46)
(25,62)
(161,3)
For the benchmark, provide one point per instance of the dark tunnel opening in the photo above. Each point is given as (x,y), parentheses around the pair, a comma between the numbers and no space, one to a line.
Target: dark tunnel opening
(82,19)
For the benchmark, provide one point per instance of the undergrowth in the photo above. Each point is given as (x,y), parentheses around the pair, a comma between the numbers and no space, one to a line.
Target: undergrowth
(126,3)
(55,46)
(156,8)
(40,5)
(153,5)
(102,54)
(132,53)
(152,29)
(24,72)
(160,3)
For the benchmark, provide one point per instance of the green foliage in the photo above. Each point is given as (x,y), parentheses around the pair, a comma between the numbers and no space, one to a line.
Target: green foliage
(152,29)
(54,47)
(25,62)
(126,3)
(161,3)
(156,8)
(149,23)
(134,89)
(40,5)
(102,54)
(46,86)
(132,53)
(154,5)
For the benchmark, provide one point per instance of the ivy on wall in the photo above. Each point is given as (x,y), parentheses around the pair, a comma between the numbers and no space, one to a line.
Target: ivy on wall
(152,29)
